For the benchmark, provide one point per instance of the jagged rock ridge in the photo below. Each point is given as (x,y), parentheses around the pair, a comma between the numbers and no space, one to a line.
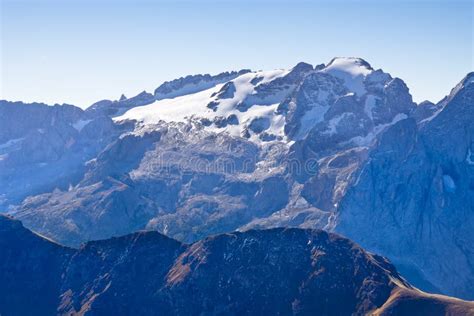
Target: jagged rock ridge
(277,271)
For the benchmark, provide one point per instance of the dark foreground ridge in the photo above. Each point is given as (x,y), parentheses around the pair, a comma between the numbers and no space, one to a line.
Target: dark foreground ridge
(258,272)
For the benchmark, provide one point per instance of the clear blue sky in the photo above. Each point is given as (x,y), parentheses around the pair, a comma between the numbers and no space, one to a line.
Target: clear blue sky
(82,51)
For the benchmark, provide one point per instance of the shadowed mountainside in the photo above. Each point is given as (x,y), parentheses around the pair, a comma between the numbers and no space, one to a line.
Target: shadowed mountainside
(276,271)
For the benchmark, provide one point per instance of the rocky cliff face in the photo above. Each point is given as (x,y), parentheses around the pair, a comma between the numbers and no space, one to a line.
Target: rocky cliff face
(118,107)
(414,199)
(277,271)
(46,147)
(339,146)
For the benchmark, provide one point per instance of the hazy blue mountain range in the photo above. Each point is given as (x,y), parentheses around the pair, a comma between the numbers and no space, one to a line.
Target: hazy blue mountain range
(338,146)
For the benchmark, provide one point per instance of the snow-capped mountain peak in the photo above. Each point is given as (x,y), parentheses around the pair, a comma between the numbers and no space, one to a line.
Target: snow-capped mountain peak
(243,106)
(281,104)
(352,71)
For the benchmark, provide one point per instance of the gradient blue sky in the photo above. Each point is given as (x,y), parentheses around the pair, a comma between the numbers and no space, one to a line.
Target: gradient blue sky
(79,52)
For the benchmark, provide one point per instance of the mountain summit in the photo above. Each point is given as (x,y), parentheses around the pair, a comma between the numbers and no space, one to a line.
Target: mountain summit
(259,105)
(340,147)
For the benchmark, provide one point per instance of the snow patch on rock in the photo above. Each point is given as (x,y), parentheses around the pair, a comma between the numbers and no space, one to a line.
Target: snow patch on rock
(469,158)
(370,137)
(449,183)
(352,71)
(80,124)
(11,143)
